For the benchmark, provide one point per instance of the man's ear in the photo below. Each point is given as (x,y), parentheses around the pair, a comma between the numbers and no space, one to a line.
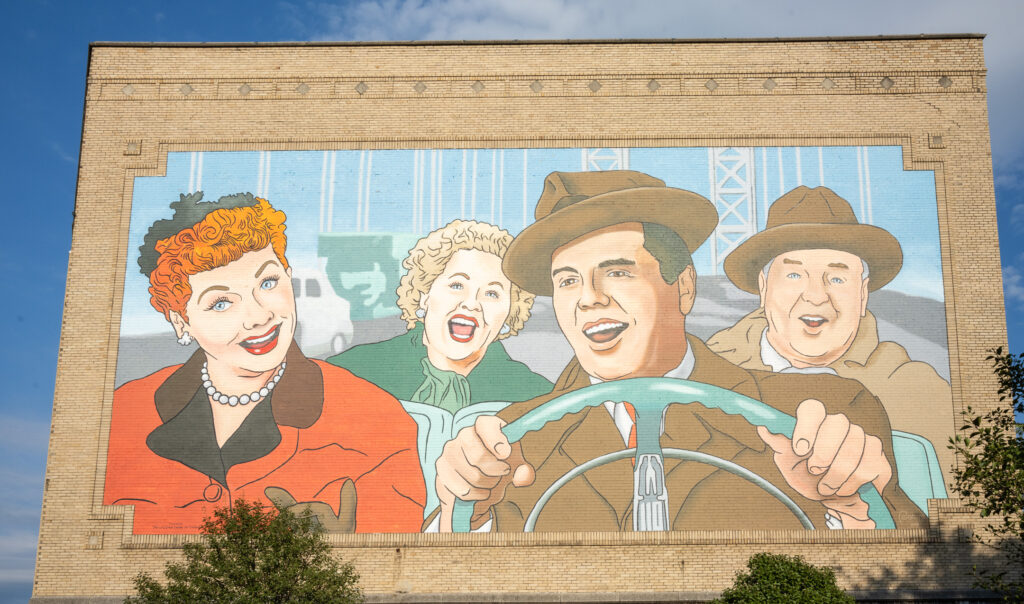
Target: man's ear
(178,322)
(864,296)
(762,284)
(687,285)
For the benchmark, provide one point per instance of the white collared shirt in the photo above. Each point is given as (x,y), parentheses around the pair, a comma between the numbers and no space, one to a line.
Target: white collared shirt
(780,364)
(623,422)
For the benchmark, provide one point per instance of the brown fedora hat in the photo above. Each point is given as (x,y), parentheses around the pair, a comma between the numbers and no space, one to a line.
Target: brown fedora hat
(576,203)
(813,219)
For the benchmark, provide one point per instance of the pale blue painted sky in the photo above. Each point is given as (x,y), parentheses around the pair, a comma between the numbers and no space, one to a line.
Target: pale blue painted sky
(505,190)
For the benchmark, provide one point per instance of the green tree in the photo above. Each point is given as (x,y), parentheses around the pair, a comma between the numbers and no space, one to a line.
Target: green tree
(991,477)
(780,578)
(254,555)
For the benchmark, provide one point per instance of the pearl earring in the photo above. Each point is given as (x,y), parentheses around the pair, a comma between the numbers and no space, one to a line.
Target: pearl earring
(185,339)
(421,313)
(505,329)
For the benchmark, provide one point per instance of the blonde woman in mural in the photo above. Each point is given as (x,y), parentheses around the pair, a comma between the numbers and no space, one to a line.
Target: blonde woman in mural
(248,415)
(457,304)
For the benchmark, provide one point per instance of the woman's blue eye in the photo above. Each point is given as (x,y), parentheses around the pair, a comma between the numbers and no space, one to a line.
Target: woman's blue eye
(492,294)
(220,305)
(456,285)
(269,283)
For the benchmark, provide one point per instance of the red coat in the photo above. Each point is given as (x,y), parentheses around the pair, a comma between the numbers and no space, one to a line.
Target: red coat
(323,425)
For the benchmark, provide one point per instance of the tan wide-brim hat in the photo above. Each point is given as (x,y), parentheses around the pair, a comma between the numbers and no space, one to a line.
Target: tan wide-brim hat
(576,203)
(813,219)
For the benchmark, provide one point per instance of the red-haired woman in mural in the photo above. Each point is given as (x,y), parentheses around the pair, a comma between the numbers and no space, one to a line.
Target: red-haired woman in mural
(248,415)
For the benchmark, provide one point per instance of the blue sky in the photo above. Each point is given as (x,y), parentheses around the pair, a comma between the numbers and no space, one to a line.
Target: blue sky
(46,45)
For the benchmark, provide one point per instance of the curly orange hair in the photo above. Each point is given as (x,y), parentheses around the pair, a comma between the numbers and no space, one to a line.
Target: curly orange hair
(219,238)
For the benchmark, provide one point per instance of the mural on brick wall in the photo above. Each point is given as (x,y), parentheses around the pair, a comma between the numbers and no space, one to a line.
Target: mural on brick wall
(534,339)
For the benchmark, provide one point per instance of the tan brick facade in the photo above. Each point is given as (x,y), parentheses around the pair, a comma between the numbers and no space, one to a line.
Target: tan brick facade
(142,101)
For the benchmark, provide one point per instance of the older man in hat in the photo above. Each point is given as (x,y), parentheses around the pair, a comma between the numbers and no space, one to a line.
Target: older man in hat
(813,267)
(612,249)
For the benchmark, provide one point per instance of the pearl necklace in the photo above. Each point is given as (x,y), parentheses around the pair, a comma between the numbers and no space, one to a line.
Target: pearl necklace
(245,399)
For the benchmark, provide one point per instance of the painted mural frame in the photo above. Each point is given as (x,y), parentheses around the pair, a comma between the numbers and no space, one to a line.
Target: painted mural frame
(153,162)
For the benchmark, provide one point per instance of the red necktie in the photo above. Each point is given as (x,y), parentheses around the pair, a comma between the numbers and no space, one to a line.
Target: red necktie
(632,430)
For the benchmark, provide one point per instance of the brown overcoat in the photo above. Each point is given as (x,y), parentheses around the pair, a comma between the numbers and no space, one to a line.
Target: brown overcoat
(915,397)
(700,497)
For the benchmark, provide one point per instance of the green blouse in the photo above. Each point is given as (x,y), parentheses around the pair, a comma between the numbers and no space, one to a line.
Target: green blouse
(400,366)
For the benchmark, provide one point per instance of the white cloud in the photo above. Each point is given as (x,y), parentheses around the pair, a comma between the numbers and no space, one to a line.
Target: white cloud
(1013,285)
(1017,215)
(61,153)
(18,544)
(19,575)
(23,435)
(561,19)
(17,556)
(23,445)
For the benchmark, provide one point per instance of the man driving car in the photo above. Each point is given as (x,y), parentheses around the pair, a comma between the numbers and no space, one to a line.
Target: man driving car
(613,250)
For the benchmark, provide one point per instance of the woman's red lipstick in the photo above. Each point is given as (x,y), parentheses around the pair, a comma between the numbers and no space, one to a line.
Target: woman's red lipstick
(262,344)
(461,328)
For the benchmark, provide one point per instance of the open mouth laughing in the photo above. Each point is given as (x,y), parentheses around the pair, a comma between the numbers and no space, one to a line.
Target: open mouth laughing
(813,320)
(603,330)
(262,344)
(461,328)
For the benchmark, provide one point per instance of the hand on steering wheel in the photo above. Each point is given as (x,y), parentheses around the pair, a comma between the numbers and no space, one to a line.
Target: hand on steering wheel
(483,464)
(479,464)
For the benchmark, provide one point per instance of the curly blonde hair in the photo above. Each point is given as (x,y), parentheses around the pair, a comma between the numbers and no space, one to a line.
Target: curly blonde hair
(427,259)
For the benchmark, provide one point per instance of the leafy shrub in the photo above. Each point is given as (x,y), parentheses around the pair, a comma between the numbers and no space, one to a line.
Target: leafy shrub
(779,578)
(990,478)
(254,555)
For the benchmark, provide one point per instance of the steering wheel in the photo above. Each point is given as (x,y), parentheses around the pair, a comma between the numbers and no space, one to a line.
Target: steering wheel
(650,397)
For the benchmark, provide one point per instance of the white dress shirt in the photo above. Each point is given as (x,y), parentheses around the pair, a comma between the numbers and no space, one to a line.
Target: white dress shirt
(780,364)
(617,409)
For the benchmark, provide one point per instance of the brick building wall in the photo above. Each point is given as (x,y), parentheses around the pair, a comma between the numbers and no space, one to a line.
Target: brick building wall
(925,94)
